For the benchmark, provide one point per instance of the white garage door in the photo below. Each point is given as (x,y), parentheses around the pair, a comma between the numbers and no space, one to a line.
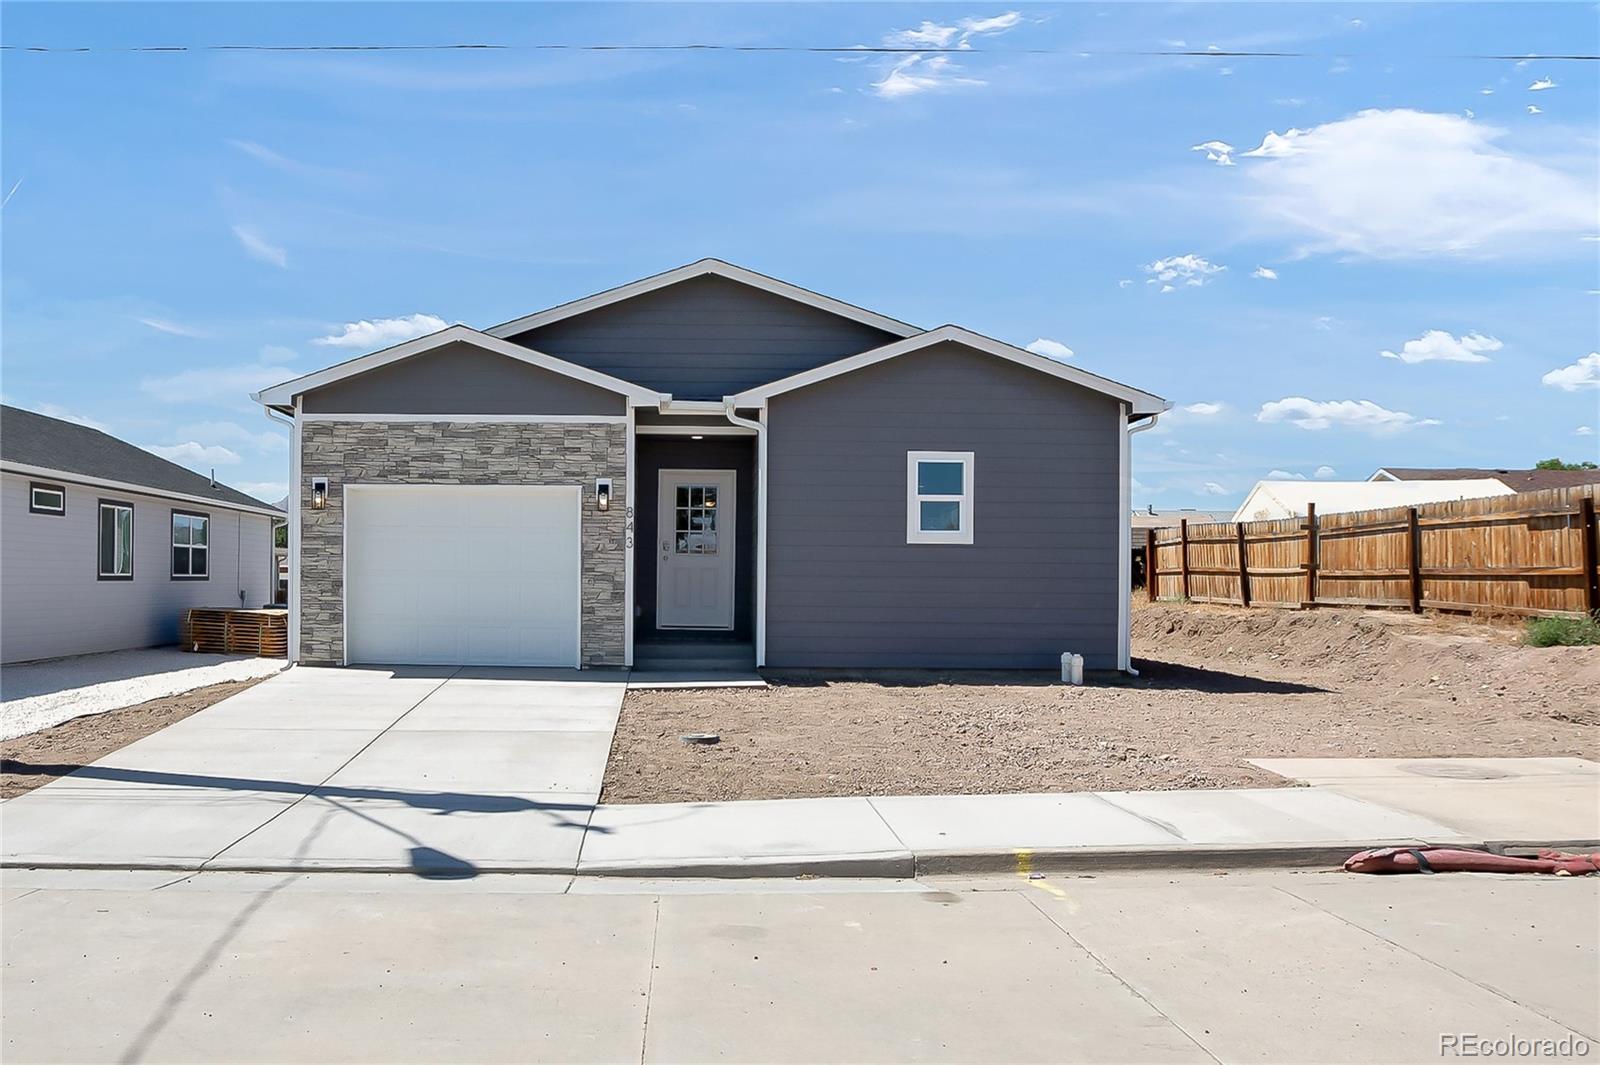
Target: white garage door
(451,574)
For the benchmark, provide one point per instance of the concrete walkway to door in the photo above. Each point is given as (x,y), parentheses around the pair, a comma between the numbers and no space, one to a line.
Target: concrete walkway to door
(406,768)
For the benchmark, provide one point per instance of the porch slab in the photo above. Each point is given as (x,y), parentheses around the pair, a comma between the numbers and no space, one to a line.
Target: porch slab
(647,680)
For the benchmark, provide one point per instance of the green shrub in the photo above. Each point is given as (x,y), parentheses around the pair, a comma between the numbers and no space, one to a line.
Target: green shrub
(1564,632)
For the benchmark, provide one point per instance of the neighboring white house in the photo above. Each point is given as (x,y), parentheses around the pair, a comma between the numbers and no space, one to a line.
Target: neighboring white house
(1289,499)
(103,545)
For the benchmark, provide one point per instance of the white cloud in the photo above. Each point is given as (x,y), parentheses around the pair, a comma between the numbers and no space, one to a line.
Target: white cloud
(1406,184)
(369,335)
(1541,85)
(1534,109)
(214,384)
(1585,373)
(51,410)
(278,161)
(1324,322)
(1284,475)
(192,453)
(958,34)
(1212,488)
(1051,349)
(1584,430)
(1124,283)
(1265,273)
(177,329)
(1360,414)
(1485,91)
(1204,410)
(917,73)
(277,353)
(1219,152)
(233,433)
(1192,270)
(1438,346)
(1325,473)
(257,247)
(271,491)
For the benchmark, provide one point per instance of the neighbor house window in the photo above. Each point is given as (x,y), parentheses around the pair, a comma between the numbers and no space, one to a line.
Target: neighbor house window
(939,497)
(46,498)
(191,538)
(116,541)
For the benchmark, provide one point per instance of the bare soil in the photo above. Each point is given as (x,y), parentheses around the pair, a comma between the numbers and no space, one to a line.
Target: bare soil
(1217,685)
(35,760)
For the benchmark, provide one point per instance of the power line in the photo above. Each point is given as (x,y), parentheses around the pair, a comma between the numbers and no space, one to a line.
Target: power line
(854,49)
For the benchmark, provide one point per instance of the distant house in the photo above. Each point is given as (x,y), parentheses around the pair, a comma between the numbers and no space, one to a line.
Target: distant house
(1514,480)
(103,545)
(1151,518)
(1288,499)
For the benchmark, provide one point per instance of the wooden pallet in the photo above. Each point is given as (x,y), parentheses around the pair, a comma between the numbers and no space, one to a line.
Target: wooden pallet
(236,632)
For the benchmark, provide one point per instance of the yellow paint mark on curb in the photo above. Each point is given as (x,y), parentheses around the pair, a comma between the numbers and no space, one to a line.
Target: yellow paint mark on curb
(1025,871)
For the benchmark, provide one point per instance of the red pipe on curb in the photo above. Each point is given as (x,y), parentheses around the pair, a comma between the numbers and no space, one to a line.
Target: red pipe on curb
(1449,860)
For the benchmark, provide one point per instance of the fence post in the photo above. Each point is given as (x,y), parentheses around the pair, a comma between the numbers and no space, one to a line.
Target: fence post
(1244,565)
(1311,554)
(1591,556)
(1183,553)
(1151,574)
(1414,558)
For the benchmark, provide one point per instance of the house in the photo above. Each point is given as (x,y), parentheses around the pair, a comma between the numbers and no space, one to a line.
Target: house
(1288,499)
(1514,480)
(711,461)
(103,545)
(1142,521)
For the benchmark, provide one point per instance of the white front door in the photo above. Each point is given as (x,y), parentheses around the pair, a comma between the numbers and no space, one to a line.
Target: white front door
(694,549)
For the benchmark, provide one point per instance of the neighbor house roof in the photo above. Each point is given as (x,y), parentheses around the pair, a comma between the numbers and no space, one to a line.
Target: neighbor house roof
(1516,480)
(1287,499)
(282,395)
(1140,402)
(703,268)
(45,447)
(1168,519)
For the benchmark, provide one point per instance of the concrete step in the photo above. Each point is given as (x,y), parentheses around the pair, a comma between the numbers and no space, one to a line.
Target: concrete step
(700,663)
(694,656)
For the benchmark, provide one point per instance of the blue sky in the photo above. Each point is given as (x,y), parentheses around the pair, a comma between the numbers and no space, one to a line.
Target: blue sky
(183,228)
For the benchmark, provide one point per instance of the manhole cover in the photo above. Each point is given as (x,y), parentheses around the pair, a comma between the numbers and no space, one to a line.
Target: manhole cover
(1454,771)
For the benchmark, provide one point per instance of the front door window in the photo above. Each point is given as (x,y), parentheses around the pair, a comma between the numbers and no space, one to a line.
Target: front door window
(696,519)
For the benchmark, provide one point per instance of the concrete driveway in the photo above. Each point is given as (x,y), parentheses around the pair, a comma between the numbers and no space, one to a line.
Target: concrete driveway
(403,769)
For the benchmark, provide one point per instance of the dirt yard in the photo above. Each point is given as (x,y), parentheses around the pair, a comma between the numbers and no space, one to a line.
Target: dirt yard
(36,759)
(1218,685)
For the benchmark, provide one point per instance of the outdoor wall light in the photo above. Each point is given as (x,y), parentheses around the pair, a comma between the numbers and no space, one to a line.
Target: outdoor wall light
(602,494)
(319,493)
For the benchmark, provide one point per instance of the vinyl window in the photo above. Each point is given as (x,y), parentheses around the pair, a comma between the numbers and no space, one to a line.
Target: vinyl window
(939,497)
(46,498)
(116,541)
(191,548)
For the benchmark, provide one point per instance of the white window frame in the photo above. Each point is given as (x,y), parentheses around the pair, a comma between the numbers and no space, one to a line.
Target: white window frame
(915,534)
(113,505)
(35,507)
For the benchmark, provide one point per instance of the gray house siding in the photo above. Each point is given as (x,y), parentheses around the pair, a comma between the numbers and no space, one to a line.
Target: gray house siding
(844,589)
(55,604)
(462,379)
(657,453)
(704,338)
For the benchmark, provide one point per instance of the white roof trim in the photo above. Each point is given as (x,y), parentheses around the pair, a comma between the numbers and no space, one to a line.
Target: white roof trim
(283,394)
(700,269)
(1141,403)
(22,469)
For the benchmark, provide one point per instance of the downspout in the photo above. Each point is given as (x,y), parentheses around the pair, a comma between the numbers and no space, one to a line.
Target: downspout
(292,540)
(1125,554)
(760,427)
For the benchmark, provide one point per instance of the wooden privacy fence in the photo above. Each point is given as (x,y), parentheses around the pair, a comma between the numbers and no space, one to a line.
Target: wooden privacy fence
(1530,553)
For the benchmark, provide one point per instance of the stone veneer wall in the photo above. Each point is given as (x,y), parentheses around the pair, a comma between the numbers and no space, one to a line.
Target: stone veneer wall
(446,452)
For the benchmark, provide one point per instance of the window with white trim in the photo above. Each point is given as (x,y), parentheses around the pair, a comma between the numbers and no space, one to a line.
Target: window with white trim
(939,497)
(46,498)
(116,541)
(191,535)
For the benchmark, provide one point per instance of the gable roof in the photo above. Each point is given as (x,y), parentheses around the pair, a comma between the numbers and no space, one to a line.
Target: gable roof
(703,268)
(282,395)
(43,446)
(1516,480)
(1140,402)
